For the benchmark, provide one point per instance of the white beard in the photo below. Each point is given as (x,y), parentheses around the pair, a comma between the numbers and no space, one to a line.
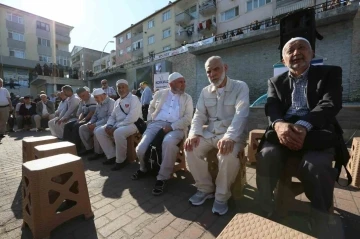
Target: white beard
(220,81)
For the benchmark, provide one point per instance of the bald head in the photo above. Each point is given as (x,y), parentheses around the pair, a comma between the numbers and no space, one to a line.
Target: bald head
(216,70)
(214,59)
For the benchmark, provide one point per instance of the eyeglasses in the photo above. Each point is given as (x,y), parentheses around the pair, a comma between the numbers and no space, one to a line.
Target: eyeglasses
(103,83)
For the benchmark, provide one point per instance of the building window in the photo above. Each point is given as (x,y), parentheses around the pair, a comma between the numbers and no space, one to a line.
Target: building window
(121,52)
(14,18)
(121,39)
(43,42)
(229,14)
(253,4)
(17,53)
(151,40)
(151,24)
(166,33)
(60,60)
(128,35)
(16,36)
(97,68)
(43,26)
(166,48)
(45,58)
(166,16)
(128,49)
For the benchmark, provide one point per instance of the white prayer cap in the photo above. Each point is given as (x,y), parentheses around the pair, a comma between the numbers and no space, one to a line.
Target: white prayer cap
(122,81)
(98,91)
(174,76)
(296,39)
(86,88)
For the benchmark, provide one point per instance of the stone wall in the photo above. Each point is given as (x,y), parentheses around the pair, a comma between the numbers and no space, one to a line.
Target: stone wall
(253,62)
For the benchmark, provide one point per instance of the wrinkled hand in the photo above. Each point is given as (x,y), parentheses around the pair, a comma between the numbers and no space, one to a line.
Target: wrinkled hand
(288,136)
(167,129)
(91,127)
(192,143)
(225,146)
(301,133)
(110,131)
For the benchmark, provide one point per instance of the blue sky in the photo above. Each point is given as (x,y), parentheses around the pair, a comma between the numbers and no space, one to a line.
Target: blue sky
(95,22)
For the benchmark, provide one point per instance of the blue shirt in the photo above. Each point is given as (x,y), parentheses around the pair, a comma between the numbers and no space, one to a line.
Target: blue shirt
(146,96)
(299,99)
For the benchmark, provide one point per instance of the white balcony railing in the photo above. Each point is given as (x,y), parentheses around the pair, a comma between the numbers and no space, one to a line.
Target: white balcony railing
(207,7)
(294,7)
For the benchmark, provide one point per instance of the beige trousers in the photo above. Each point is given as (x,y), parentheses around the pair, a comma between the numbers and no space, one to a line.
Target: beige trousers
(89,139)
(37,119)
(119,149)
(228,168)
(169,148)
(57,130)
(4,115)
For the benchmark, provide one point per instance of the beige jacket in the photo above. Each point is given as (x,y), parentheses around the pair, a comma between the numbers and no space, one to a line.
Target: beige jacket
(223,116)
(186,109)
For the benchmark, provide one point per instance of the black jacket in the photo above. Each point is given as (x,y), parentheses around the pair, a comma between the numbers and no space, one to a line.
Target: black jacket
(24,111)
(324,99)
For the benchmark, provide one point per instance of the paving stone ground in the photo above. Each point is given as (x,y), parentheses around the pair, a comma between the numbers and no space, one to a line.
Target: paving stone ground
(126,209)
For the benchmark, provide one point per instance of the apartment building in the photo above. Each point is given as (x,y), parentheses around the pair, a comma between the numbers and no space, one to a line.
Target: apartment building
(151,35)
(108,61)
(179,22)
(82,60)
(27,39)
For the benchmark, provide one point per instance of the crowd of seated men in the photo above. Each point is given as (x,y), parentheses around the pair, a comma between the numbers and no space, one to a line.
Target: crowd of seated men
(100,126)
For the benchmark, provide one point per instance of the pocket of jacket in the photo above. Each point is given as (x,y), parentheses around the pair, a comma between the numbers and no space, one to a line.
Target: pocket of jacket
(210,102)
(229,107)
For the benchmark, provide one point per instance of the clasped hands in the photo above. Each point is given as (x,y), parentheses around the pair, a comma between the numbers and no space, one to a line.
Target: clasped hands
(225,145)
(290,135)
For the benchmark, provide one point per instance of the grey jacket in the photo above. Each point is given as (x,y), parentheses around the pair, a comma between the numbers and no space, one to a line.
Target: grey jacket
(49,106)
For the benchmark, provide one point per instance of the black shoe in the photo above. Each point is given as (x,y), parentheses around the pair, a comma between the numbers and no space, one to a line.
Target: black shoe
(119,166)
(85,152)
(159,187)
(95,157)
(138,174)
(109,161)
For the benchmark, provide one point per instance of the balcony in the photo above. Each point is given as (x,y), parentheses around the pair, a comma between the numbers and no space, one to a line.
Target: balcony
(183,18)
(293,7)
(137,36)
(137,51)
(207,7)
(64,39)
(207,27)
(182,36)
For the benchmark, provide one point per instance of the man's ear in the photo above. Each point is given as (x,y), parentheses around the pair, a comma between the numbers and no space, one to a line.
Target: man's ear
(225,67)
(313,56)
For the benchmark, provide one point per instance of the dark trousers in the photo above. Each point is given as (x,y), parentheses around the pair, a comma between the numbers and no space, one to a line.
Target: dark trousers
(71,133)
(315,170)
(145,110)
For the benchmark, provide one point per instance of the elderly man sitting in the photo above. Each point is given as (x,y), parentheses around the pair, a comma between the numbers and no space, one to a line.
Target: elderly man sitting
(68,114)
(120,125)
(26,115)
(223,107)
(171,110)
(104,108)
(85,111)
(45,110)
